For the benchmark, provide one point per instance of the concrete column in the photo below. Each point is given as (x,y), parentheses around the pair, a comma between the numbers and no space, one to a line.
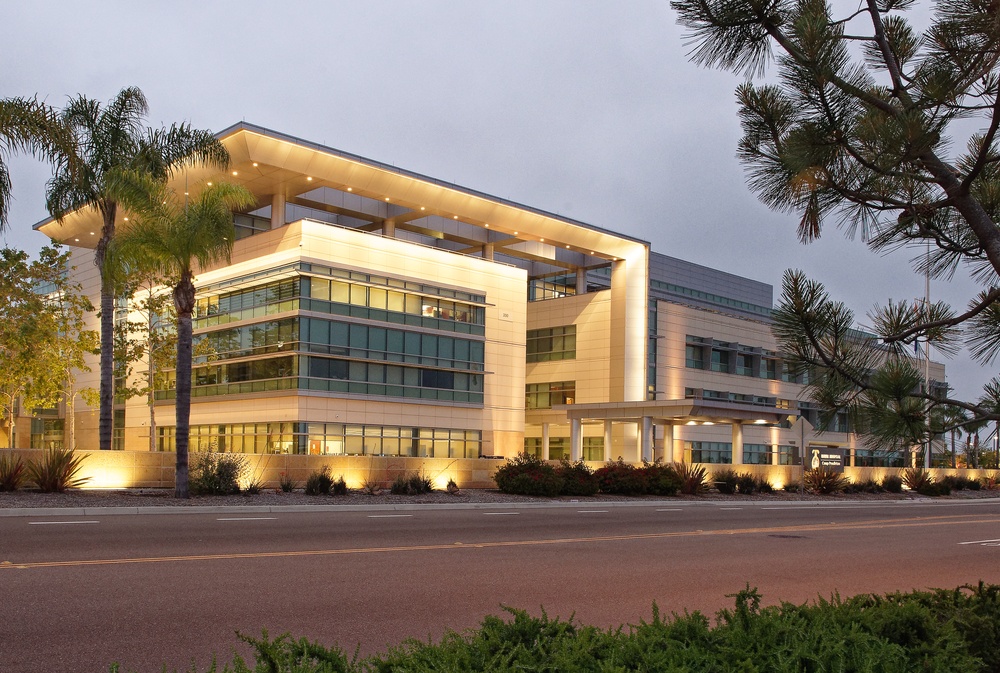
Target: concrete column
(488,251)
(581,281)
(608,438)
(646,439)
(277,211)
(545,441)
(629,329)
(389,229)
(668,443)
(737,444)
(575,439)
(775,454)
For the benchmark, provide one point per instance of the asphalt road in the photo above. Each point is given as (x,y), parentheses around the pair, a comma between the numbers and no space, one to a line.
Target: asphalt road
(78,592)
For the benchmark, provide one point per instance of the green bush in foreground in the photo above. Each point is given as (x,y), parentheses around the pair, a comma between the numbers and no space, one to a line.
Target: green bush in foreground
(525,474)
(941,630)
(217,473)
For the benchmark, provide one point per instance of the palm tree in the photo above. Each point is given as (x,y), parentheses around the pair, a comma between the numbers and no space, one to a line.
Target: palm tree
(28,125)
(111,141)
(170,236)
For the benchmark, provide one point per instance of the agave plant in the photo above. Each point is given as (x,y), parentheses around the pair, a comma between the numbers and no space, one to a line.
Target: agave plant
(57,470)
(694,478)
(12,472)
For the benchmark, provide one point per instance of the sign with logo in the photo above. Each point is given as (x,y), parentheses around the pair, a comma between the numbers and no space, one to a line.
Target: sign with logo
(827,458)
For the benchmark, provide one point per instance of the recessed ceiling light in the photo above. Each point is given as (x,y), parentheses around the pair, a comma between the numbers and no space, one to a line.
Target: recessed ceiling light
(255,164)
(515,233)
(567,247)
(541,240)
(77,240)
(422,208)
(454,217)
(487,226)
(350,189)
(309,179)
(387,198)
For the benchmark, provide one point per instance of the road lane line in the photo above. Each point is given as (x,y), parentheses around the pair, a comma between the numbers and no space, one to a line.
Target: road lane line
(58,523)
(591,511)
(501,513)
(249,518)
(388,516)
(979,541)
(730,509)
(678,509)
(875,524)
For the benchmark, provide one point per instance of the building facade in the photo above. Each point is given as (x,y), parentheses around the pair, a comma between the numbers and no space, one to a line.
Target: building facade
(368,310)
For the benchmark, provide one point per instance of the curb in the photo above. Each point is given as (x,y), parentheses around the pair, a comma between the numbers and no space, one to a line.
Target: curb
(435,507)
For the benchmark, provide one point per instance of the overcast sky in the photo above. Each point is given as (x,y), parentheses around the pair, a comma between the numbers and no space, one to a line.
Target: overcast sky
(584,108)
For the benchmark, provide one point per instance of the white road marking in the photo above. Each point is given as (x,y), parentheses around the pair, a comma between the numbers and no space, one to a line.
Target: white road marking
(57,523)
(501,513)
(731,509)
(592,511)
(822,506)
(979,542)
(388,516)
(677,509)
(249,518)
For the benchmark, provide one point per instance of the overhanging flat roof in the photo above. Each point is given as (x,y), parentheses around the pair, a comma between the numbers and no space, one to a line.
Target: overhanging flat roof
(678,412)
(269,163)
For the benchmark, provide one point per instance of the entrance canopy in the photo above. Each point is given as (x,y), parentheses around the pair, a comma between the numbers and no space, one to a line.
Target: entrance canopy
(668,414)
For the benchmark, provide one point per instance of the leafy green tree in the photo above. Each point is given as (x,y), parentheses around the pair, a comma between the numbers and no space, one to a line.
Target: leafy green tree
(861,120)
(28,125)
(147,338)
(43,337)
(110,143)
(173,236)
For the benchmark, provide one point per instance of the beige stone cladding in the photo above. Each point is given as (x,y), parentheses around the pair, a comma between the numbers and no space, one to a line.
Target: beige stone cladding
(499,417)
(676,323)
(589,369)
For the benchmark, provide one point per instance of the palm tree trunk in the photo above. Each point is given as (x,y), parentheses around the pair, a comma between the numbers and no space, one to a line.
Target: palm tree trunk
(107,391)
(184,303)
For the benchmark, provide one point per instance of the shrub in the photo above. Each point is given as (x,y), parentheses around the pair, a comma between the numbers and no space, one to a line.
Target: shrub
(339,486)
(694,478)
(940,630)
(726,480)
(578,479)
(371,486)
(254,486)
(934,489)
(452,487)
(286,483)
(989,481)
(892,483)
(763,485)
(56,471)
(12,472)
(414,483)
(748,484)
(867,486)
(916,478)
(791,487)
(621,478)
(319,482)
(525,474)
(661,479)
(824,481)
(217,473)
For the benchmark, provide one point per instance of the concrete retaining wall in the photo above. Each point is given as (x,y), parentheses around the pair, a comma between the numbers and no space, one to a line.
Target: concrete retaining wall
(142,469)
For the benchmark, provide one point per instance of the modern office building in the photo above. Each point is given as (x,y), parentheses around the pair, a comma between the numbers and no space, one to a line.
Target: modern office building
(370,310)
